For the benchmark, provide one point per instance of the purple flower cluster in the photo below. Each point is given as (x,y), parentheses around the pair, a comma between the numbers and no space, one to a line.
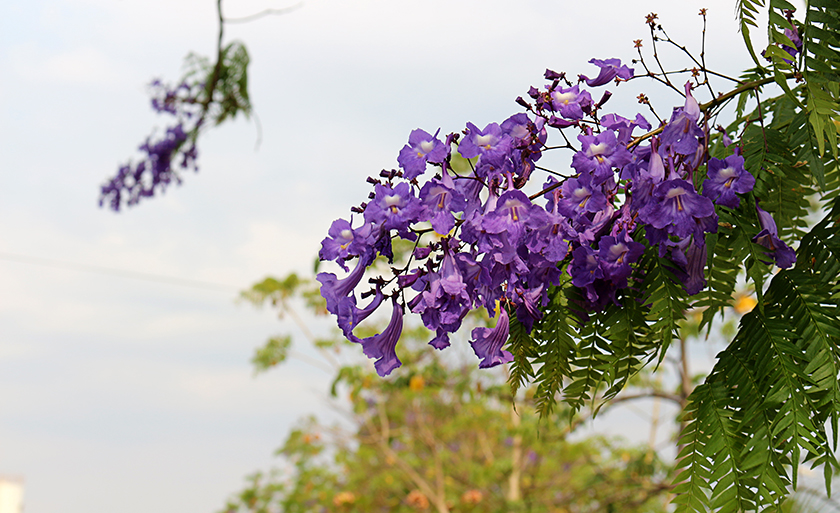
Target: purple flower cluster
(480,241)
(162,156)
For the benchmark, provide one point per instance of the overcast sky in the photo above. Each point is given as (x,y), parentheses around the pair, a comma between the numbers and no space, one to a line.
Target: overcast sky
(126,395)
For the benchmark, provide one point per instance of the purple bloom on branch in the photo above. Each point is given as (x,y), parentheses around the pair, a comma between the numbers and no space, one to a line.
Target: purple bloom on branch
(513,214)
(421,148)
(615,255)
(155,172)
(580,196)
(599,154)
(383,346)
(570,102)
(793,51)
(488,342)
(769,238)
(610,69)
(624,126)
(349,316)
(522,130)
(344,242)
(690,256)
(585,267)
(394,208)
(727,177)
(675,205)
(440,201)
(334,289)
(682,134)
(491,144)
(445,301)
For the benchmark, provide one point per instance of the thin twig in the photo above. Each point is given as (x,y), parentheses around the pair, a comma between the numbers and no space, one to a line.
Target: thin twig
(267,12)
(703,55)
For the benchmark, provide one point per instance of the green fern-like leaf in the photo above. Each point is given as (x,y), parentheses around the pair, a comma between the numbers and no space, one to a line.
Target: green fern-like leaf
(587,370)
(523,347)
(667,300)
(557,350)
(746,11)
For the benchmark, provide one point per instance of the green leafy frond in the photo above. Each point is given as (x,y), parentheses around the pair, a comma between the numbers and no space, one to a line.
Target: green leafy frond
(709,470)
(805,305)
(557,349)
(587,365)
(745,11)
(524,348)
(273,353)
(694,466)
(631,343)
(763,409)
(776,25)
(822,61)
(782,183)
(667,300)
(765,470)
(727,246)
(740,387)
(819,251)
(231,92)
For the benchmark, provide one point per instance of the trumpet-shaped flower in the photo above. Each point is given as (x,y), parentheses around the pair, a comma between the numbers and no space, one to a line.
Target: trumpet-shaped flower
(610,69)
(768,237)
(727,177)
(422,147)
(383,346)
(487,342)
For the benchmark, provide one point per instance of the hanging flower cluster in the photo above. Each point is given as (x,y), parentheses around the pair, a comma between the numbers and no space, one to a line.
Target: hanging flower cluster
(162,156)
(489,243)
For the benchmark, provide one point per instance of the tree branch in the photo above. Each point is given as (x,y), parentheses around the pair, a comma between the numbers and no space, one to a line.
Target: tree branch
(267,12)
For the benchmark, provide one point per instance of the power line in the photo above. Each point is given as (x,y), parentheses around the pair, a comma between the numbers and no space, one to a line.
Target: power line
(121,273)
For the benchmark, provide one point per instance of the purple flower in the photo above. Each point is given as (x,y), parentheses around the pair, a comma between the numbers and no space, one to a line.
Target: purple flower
(727,177)
(615,255)
(793,35)
(344,242)
(349,316)
(334,289)
(513,214)
(599,154)
(624,126)
(769,238)
(675,205)
(570,102)
(528,303)
(487,343)
(444,301)
(550,241)
(394,208)
(584,268)
(695,255)
(682,134)
(491,144)
(610,69)
(441,340)
(155,172)
(440,200)
(580,196)
(689,254)
(523,131)
(383,346)
(421,148)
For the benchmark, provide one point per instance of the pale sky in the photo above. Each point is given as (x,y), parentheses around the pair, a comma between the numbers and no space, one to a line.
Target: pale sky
(136,396)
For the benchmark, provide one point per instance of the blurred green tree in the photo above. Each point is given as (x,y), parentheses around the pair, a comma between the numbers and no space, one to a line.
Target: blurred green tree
(441,437)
